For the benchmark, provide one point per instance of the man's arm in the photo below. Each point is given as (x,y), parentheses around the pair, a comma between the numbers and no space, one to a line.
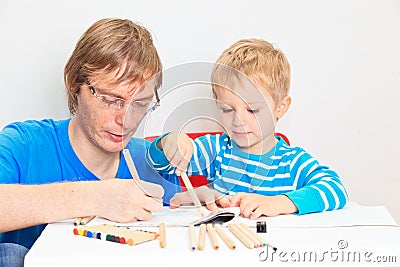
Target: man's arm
(119,200)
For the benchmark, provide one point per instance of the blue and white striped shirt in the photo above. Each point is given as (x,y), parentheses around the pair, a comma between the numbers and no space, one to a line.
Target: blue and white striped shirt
(283,170)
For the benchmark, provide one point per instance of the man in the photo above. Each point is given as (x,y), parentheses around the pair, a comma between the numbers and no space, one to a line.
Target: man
(111,80)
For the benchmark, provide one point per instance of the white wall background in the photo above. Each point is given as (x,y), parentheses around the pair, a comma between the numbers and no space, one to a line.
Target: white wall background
(344,55)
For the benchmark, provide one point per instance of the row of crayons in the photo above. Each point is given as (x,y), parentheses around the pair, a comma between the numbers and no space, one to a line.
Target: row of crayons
(241,231)
(117,234)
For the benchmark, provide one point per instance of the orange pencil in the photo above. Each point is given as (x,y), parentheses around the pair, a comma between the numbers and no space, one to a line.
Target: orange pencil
(228,241)
(213,236)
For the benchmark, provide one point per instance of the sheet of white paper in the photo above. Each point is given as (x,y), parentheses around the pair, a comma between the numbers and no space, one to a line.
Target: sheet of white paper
(351,215)
(182,216)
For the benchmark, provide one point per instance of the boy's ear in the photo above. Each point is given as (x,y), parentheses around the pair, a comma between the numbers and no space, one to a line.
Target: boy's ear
(283,107)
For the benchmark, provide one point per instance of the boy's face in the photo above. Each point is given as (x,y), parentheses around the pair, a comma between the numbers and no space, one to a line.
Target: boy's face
(247,115)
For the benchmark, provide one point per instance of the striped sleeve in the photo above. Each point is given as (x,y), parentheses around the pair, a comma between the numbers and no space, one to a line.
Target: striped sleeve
(203,160)
(157,159)
(318,187)
(201,163)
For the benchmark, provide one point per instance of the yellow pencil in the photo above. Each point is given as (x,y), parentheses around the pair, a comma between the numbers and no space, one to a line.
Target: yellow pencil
(190,189)
(202,236)
(163,240)
(227,240)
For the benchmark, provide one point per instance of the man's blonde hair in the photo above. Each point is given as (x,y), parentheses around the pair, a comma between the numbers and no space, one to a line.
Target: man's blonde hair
(257,60)
(112,45)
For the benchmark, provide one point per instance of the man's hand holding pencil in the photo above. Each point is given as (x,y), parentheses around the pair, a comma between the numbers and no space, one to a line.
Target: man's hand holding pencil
(124,200)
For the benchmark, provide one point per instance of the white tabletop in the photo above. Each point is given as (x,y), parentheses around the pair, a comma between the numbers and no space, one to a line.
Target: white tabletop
(352,245)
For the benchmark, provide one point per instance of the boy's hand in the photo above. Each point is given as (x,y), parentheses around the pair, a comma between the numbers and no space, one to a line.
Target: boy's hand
(211,197)
(178,148)
(253,206)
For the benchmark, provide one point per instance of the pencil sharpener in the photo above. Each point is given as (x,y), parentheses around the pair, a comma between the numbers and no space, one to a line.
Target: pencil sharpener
(261,227)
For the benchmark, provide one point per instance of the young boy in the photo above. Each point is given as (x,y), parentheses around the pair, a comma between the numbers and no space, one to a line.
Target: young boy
(255,170)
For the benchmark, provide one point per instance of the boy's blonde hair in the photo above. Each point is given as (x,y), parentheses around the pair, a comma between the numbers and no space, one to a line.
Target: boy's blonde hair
(110,45)
(257,60)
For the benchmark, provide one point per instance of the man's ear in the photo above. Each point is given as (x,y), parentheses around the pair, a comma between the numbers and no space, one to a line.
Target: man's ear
(283,107)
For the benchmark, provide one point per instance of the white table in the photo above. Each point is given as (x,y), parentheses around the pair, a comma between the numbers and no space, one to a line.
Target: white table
(329,246)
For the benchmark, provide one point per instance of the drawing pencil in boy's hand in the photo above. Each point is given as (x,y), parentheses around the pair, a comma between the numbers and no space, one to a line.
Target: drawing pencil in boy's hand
(193,195)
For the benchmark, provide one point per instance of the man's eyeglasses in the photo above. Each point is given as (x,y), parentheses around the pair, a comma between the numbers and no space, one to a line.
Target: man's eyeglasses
(116,103)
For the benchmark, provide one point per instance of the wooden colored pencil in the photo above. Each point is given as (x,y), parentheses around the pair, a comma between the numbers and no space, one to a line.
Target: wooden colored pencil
(213,236)
(192,237)
(258,237)
(163,237)
(247,231)
(239,235)
(193,195)
(131,164)
(86,220)
(202,237)
(78,221)
(83,220)
(227,240)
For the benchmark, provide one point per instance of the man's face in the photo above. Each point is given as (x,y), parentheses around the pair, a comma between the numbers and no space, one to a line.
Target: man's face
(107,128)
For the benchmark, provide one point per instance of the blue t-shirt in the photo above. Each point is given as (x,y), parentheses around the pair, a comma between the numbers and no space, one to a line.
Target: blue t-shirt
(40,152)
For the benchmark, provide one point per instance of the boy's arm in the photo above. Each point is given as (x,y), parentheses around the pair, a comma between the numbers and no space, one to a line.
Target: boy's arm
(319,188)
(199,164)
(156,157)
